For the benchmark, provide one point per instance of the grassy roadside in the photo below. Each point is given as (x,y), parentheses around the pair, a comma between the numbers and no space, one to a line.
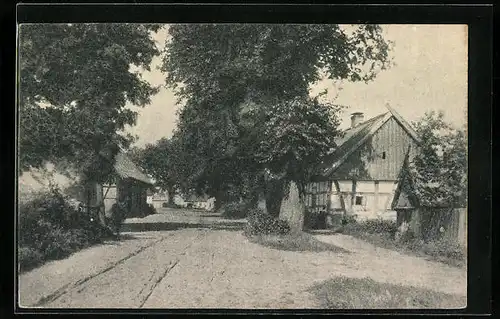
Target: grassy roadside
(365,293)
(440,251)
(294,242)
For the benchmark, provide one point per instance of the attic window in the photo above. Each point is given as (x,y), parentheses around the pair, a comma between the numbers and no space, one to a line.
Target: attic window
(383,155)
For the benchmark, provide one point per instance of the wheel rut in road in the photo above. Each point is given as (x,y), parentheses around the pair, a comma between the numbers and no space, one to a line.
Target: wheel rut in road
(130,282)
(74,285)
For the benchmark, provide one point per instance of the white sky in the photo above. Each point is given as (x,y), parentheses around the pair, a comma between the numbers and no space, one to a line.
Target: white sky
(430,73)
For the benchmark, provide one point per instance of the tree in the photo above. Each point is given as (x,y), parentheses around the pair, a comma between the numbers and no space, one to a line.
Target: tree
(159,161)
(207,142)
(289,141)
(439,170)
(218,70)
(74,83)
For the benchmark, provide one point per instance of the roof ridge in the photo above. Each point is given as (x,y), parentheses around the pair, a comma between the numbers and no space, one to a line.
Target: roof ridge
(406,126)
(383,117)
(365,122)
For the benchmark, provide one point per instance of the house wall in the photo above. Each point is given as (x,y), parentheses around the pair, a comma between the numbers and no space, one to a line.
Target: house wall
(366,199)
(368,162)
(133,193)
(207,205)
(368,179)
(110,196)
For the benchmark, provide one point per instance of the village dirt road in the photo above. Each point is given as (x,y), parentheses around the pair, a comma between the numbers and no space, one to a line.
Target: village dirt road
(217,268)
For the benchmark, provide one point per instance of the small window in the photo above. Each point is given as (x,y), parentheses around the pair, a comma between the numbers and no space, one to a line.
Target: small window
(383,155)
(359,200)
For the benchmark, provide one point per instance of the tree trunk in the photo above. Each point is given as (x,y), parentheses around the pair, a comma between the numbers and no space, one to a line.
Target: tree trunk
(100,203)
(258,196)
(274,196)
(293,208)
(220,199)
(171,195)
(262,202)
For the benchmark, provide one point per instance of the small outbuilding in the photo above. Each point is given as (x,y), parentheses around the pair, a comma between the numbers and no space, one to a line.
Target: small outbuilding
(128,184)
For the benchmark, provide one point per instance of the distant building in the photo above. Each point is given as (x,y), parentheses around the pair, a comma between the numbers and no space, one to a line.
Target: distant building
(364,176)
(128,184)
(159,199)
(200,202)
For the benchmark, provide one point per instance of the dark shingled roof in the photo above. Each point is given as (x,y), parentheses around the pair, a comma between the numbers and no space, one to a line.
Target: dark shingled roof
(354,137)
(125,168)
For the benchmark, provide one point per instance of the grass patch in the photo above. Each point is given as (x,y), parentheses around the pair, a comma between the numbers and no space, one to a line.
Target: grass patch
(294,242)
(365,293)
(440,251)
(382,234)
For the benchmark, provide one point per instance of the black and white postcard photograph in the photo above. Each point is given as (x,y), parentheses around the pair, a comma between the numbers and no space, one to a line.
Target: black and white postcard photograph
(242,166)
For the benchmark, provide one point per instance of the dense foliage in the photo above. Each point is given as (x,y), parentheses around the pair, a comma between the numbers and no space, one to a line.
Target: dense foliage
(439,171)
(161,161)
(261,223)
(385,234)
(220,71)
(50,228)
(74,83)
(235,210)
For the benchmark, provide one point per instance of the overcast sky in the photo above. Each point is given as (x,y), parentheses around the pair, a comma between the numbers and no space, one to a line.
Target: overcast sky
(430,73)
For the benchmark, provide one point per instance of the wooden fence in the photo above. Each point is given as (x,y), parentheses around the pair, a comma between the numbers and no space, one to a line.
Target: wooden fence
(432,223)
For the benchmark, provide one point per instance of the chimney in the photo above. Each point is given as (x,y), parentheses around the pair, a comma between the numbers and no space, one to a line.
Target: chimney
(356,118)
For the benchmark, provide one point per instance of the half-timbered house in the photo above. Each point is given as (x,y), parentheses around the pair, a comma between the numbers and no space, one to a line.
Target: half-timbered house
(363,177)
(128,184)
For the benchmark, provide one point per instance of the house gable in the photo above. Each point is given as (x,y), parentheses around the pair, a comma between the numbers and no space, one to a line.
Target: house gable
(381,156)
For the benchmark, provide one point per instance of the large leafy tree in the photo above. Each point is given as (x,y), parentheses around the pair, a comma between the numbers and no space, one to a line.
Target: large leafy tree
(159,160)
(218,70)
(439,170)
(287,140)
(74,83)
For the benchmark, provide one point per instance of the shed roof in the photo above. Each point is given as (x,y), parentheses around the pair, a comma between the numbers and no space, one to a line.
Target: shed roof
(126,168)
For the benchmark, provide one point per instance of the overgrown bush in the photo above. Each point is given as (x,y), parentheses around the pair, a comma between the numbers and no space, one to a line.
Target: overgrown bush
(28,258)
(170,205)
(261,223)
(234,210)
(50,228)
(382,233)
(407,237)
(150,210)
(119,212)
(315,220)
(380,226)
(444,248)
(348,219)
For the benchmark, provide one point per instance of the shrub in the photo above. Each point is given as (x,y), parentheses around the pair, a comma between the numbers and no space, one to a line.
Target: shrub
(407,237)
(49,207)
(315,220)
(119,213)
(170,205)
(234,210)
(444,248)
(53,228)
(57,244)
(28,258)
(260,223)
(150,210)
(378,226)
(348,219)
